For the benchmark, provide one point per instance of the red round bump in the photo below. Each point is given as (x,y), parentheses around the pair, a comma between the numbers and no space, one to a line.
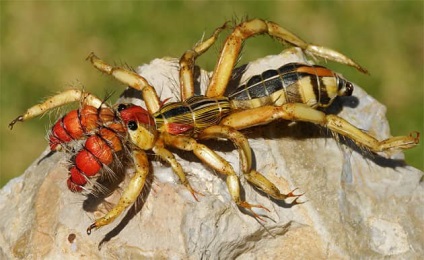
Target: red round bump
(99,149)
(112,139)
(89,118)
(59,132)
(77,177)
(72,124)
(87,163)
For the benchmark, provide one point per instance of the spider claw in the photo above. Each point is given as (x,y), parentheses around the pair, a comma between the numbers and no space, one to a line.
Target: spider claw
(291,194)
(18,119)
(249,207)
(90,228)
(295,202)
(194,193)
(416,136)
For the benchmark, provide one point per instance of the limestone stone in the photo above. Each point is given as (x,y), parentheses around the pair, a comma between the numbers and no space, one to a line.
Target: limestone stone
(356,204)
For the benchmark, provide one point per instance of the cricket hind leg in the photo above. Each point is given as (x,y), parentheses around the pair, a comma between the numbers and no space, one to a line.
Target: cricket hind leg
(233,45)
(301,112)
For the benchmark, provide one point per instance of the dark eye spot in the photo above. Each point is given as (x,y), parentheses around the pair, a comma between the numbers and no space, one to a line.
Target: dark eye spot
(349,89)
(121,107)
(132,125)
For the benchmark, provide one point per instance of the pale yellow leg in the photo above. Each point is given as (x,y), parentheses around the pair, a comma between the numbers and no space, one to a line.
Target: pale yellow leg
(265,185)
(167,156)
(216,162)
(131,192)
(237,138)
(187,63)
(233,44)
(66,97)
(129,78)
(241,142)
(302,112)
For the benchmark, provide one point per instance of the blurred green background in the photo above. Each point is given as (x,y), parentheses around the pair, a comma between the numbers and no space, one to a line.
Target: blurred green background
(44,44)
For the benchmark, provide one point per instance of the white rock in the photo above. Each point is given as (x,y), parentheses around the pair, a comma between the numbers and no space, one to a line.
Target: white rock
(356,206)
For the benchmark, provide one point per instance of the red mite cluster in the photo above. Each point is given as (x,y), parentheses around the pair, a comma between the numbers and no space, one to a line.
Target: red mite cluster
(104,131)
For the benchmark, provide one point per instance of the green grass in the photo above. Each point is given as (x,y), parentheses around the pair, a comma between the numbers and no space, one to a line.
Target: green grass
(44,44)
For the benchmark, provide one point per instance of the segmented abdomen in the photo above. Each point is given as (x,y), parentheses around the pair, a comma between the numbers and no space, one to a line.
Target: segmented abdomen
(100,133)
(291,83)
(195,114)
(78,123)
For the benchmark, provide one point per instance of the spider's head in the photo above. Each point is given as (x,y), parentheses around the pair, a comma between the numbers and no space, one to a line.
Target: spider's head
(140,125)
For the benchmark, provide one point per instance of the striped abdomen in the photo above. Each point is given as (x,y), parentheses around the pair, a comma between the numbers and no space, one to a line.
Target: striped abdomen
(291,83)
(195,114)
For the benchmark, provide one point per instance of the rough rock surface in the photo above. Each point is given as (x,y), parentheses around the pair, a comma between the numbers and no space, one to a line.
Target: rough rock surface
(356,205)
